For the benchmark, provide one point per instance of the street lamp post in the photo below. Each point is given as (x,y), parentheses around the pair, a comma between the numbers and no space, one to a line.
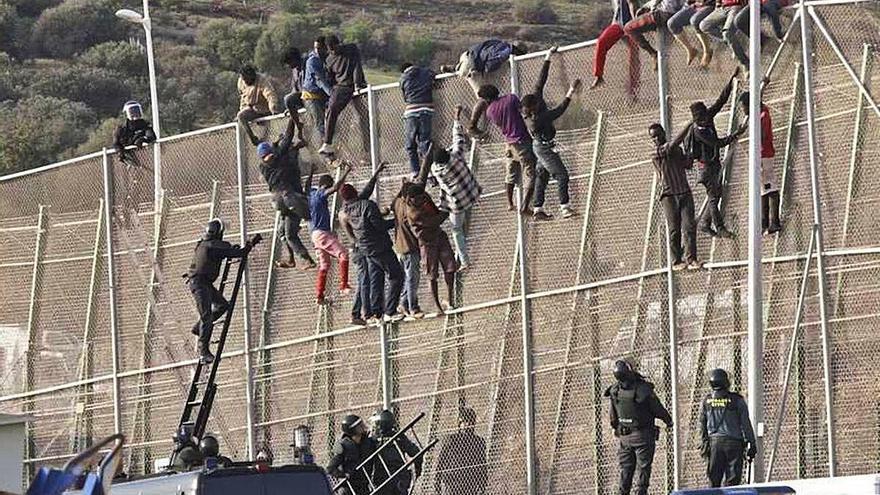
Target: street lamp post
(145,21)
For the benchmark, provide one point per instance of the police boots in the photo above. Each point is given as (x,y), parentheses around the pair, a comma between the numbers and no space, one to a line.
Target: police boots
(205,355)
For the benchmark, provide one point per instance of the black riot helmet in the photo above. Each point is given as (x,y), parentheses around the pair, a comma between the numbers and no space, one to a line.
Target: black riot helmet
(214,229)
(209,446)
(351,423)
(623,371)
(384,423)
(718,379)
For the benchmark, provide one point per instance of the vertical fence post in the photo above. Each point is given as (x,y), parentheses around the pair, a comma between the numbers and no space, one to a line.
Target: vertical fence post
(245,293)
(755,280)
(386,371)
(807,53)
(666,120)
(32,351)
(526,317)
(111,289)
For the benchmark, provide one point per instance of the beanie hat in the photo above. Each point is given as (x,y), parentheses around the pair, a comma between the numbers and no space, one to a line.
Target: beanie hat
(348,192)
(264,149)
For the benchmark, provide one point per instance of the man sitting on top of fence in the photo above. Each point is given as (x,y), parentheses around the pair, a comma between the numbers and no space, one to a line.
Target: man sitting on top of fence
(135,131)
(483,58)
(257,96)
(417,85)
(345,70)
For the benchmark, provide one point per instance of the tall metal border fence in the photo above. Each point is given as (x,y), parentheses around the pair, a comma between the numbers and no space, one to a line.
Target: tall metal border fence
(94,318)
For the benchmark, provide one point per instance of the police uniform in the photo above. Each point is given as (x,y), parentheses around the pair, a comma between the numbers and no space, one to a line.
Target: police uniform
(346,456)
(203,271)
(392,459)
(634,405)
(725,429)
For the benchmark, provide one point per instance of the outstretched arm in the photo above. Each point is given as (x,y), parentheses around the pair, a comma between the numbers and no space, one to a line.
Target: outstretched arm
(681,135)
(341,180)
(284,145)
(367,191)
(476,115)
(422,178)
(545,72)
(459,139)
(250,132)
(310,178)
(724,96)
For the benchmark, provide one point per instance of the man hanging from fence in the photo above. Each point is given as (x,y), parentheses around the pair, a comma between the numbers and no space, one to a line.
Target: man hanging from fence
(135,131)
(540,119)
(704,146)
(364,307)
(345,70)
(279,165)
(462,467)
(634,407)
(671,165)
(425,219)
(209,254)
(257,96)
(459,189)
(726,431)
(477,62)
(354,447)
(624,11)
(769,185)
(406,245)
(505,113)
(393,457)
(326,243)
(417,85)
(371,231)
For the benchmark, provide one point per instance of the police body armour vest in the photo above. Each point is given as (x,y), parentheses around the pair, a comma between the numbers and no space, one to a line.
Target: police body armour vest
(631,413)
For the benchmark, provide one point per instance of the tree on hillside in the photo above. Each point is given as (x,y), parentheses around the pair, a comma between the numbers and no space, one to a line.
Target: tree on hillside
(124,58)
(32,8)
(100,89)
(282,32)
(230,42)
(13,30)
(37,130)
(76,25)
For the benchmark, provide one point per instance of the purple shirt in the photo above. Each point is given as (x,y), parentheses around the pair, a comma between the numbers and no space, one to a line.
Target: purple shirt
(505,113)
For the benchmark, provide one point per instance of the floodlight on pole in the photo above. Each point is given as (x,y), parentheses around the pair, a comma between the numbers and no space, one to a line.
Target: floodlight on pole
(145,22)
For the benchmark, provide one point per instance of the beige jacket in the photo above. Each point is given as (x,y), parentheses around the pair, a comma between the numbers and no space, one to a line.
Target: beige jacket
(261,96)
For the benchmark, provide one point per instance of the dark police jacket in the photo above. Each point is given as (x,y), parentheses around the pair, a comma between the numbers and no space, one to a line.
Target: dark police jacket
(725,414)
(208,256)
(133,133)
(393,459)
(346,457)
(634,406)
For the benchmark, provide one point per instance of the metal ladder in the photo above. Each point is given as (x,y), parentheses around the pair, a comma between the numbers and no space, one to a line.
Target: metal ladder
(203,378)
(388,476)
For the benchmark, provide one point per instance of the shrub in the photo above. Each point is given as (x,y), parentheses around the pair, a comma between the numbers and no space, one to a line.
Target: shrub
(36,130)
(534,12)
(76,25)
(230,42)
(282,32)
(100,89)
(374,40)
(415,46)
(121,57)
(32,8)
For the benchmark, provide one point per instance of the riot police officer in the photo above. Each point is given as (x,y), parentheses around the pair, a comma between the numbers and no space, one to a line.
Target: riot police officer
(726,429)
(210,450)
(391,457)
(135,131)
(349,452)
(634,405)
(210,252)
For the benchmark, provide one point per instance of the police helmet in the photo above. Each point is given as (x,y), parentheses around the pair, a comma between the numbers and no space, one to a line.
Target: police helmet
(718,379)
(384,422)
(133,110)
(215,228)
(209,446)
(351,423)
(623,371)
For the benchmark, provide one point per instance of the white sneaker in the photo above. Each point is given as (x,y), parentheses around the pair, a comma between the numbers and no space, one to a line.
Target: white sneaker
(565,212)
(327,149)
(393,318)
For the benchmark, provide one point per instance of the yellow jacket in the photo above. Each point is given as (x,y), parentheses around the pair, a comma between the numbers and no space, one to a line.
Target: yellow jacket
(261,96)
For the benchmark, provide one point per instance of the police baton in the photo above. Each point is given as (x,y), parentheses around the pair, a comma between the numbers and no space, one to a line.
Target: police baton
(748,470)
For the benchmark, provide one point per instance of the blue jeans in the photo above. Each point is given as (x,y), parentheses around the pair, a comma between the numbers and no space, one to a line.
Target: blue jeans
(362,297)
(317,109)
(688,15)
(385,271)
(721,25)
(411,262)
(458,219)
(418,138)
(549,164)
(771,9)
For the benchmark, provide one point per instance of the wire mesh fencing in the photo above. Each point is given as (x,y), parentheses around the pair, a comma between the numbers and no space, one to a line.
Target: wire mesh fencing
(596,286)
